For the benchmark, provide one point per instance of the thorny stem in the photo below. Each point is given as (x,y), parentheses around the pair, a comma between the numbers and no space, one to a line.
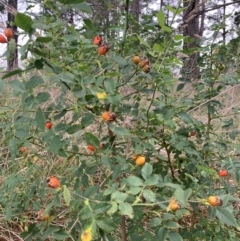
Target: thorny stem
(123,229)
(169,159)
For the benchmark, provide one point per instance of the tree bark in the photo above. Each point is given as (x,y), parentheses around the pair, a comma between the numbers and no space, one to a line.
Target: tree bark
(190,69)
(12,62)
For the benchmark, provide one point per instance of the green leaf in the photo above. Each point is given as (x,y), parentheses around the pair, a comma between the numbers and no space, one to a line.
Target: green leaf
(87,120)
(55,144)
(161,18)
(106,224)
(162,234)
(172,225)
(70,1)
(149,196)
(73,129)
(113,208)
(60,235)
(84,7)
(134,190)
(101,207)
(106,161)
(51,229)
(180,86)
(12,73)
(17,85)
(153,180)
(226,217)
(38,63)
(91,140)
(42,97)
(146,170)
(119,130)
(134,181)
(66,195)
(155,222)
(44,39)
(182,196)
(33,82)
(161,21)
(110,85)
(23,21)
(12,46)
(120,60)
(174,236)
(185,117)
(119,196)
(13,147)
(126,209)
(89,24)
(40,118)
(1,85)
(21,133)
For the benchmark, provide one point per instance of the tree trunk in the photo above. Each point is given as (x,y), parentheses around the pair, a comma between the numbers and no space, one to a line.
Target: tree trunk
(191,29)
(135,9)
(13,59)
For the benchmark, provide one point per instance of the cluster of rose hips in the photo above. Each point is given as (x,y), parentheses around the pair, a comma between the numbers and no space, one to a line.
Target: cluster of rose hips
(143,63)
(7,34)
(103,48)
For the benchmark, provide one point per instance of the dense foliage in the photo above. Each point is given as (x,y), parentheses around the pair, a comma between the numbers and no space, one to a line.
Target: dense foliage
(177,128)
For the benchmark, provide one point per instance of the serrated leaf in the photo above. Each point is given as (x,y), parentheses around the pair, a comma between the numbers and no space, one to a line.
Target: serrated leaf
(12,73)
(87,120)
(172,224)
(84,7)
(149,196)
(182,196)
(126,209)
(40,118)
(174,236)
(110,85)
(101,207)
(23,21)
(73,129)
(13,147)
(17,85)
(1,85)
(146,170)
(44,39)
(66,195)
(161,18)
(33,82)
(91,139)
(12,45)
(42,97)
(119,130)
(106,161)
(185,117)
(155,222)
(119,60)
(60,235)
(162,234)
(134,190)
(55,145)
(119,196)
(106,224)
(226,217)
(113,208)
(153,180)
(134,181)
(180,86)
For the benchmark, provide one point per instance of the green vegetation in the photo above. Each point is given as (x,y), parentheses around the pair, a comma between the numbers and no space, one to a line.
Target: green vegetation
(182,128)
